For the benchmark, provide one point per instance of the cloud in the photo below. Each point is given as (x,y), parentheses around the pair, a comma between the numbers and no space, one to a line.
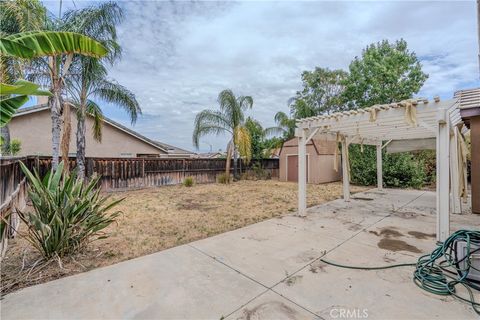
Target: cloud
(179,55)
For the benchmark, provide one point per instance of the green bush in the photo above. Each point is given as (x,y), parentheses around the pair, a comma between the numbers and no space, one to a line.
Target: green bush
(67,213)
(188,182)
(401,170)
(223,178)
(11,149)
(429,159)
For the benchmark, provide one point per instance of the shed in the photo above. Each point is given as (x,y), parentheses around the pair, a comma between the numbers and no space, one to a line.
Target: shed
(320,160)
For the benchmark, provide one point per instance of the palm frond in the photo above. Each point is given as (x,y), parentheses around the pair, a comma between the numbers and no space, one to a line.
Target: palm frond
(21,16)
(98,22)
(243,141)
(245,102)
(209,122)
(96,112)
(281,118)
(115,93)
(274,131)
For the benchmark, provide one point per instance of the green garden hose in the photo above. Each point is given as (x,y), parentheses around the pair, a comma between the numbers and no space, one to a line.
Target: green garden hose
(440,272)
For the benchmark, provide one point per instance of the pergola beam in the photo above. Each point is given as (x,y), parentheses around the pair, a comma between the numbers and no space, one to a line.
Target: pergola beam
(302,173)
(345,171)
(456,204)
(443,176)
(396,121)
(379,167)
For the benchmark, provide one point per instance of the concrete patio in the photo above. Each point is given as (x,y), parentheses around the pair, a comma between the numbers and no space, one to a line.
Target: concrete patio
(270,270)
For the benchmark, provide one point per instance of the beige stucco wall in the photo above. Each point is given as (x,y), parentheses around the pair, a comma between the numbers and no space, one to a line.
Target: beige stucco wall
(320,166)
(35,133)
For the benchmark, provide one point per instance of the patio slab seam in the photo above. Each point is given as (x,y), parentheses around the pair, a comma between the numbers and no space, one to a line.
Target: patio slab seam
(267,289)
(336,247)
(271,288)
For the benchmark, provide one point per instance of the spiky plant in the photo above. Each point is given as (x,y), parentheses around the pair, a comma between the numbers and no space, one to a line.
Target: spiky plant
(66,214)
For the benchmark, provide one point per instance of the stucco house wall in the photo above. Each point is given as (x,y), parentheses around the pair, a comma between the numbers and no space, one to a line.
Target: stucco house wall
(320,161)
(35,133)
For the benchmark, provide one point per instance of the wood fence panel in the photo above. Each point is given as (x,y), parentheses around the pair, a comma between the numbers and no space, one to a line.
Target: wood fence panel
(13,198)
(134,173)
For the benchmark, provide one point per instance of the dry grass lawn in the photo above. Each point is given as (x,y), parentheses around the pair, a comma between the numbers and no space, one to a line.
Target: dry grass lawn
(160,218)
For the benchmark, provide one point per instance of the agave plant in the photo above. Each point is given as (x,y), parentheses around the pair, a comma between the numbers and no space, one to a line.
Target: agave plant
(67,213)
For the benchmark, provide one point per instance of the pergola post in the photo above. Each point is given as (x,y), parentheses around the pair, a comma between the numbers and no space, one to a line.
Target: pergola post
(302,173)
(443,175)
(454,174)
(379,167)
(345,173)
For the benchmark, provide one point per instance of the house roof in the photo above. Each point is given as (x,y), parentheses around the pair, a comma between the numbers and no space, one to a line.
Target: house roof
(469,104)
(166,148)
(469,98)
(321,143)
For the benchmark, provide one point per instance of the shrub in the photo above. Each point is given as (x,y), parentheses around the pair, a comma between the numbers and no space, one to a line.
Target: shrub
(401,170)
(429,159)
(188,182)
(257,172)
(11,149)
(67,213)
(223,178)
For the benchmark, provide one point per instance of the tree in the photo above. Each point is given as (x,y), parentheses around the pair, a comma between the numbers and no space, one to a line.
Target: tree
(88,80)
(257,135)
(53,52)
(385,73)
(230,119)
(285,126)
(321,93)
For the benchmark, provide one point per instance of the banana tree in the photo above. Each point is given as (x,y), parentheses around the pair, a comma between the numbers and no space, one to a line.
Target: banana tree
(59,48)
(16,95)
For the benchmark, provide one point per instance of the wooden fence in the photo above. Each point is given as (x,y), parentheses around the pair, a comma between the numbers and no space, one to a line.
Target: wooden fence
(116,174)
(135,173)
(13,197)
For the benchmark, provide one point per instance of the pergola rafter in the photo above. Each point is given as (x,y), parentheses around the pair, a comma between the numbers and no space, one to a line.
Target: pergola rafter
(410,120)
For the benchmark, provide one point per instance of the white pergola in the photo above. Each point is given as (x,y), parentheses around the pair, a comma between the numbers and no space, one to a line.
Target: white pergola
(405,122)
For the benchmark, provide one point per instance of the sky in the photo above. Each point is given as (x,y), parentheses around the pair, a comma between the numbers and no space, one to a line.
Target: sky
(177,56)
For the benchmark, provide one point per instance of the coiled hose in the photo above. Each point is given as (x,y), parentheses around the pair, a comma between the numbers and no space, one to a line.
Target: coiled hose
(441,271)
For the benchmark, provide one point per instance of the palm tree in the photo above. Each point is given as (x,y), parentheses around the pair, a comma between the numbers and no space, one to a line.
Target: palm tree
(230,119)
(89,75)
(52,52)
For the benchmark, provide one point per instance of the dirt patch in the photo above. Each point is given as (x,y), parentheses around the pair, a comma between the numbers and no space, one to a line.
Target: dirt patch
(160,218)
(190,205)
(362,198)
(406,214)
(387,232)
(292,280)
(421,235)
(270,310)
(317,267)
(353,226)
(388,259)
(397,245)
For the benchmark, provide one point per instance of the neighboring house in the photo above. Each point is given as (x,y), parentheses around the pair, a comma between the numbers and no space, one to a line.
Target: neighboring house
(212,155)
(320,161)
(33,127)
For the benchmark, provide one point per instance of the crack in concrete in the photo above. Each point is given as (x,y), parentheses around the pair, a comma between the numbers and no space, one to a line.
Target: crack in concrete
(271,288)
